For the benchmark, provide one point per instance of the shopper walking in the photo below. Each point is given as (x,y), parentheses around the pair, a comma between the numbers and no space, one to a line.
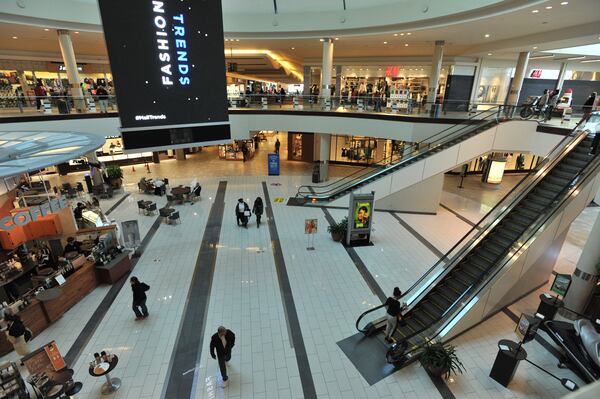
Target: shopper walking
(139,298)
(17,334)
(394,313)
(244,151)
(242,213)
(277,145)
(257,209)
(552,101)
(222,342)
(40,93)
(102,99)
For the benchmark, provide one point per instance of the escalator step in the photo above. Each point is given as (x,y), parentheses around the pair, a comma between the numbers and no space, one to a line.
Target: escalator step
(568,168)
(575,162)
(432,311)
(557,180)
(446,295)
(501,241)
(441,301)
(526,213)
(514,219)
(465,275)
(471,270)
(546,185)
(544,193)
(563,174)
(423,318)
(494,247)
(540,200)
(456,286)
(581,156)
(507,235)
(485,255)
(532,206)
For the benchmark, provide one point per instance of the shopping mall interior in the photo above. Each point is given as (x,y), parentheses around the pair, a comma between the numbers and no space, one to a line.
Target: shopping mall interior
(234,199)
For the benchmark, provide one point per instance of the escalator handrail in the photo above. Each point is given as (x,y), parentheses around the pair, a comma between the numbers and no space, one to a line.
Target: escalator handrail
(382,164)
(366,312)
(477,226)
(575,183)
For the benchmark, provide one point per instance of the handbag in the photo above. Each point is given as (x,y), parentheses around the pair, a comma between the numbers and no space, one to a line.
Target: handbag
(247,213)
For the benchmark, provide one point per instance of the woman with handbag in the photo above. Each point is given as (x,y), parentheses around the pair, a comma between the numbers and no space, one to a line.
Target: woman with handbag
(394,314)
(242,213)
(17,334)
(257,209)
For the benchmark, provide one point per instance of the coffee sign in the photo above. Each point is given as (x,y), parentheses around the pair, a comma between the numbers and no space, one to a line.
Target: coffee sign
(31,214)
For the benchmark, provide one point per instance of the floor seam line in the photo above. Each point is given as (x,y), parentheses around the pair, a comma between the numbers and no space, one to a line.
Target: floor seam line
(116,204)
(418,236)
(458,215)
(306,378)
(187,351)
(360,265)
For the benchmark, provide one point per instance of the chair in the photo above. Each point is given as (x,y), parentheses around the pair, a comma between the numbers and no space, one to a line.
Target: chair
(174,217)
(164,214)
(141,206)
(166,181)
(141,187)
(151,209)
(170,199)
(79,188)
(195,194)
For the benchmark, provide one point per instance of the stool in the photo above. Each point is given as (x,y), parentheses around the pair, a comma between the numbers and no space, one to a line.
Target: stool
(73,390)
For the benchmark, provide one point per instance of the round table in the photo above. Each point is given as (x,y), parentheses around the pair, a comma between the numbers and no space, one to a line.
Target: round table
(112,384)
(49,294)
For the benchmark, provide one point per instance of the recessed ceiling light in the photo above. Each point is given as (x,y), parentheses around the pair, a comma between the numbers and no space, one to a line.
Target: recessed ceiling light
(14,37)
(237,40)
(384,42)
(395,34)
(535,11)
(405,44)
(401,34)
(337,38)
(548,7)
(293,48)
(535,47)
(490,54)
(408,33)
(564,3)
(321,40)
(487,35)
(46,29)
(77,32)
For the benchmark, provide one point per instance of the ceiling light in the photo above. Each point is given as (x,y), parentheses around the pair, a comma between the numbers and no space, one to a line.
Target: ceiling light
(321,40)
(535,11)
(548,7)
(337,38)
(576,58)
(405,44)
(77,32)
(293,48)
(401,34)
(46,29)
(395,34)
(586,61)
(535,47)
(487,35)
(237,40)
(14,37)
(489,53)
(564,3)
(408,33)
(384,42)
(539,57)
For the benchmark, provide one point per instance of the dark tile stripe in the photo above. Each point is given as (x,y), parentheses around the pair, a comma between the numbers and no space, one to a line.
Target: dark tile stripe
(418,236)
(458,215)
(440,385)
(540,340)
(180,381)
(116,204)
(90,328)
(360,265)
(308,385)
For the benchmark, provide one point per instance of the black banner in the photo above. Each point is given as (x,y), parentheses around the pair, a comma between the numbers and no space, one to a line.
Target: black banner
(168,64)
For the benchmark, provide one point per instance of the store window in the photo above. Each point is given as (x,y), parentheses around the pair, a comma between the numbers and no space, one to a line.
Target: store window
(365,150)
(493,85)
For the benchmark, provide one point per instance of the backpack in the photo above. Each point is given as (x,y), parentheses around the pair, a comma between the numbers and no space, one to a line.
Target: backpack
(28,335)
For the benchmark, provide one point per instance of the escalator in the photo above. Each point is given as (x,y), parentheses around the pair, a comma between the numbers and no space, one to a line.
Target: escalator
(432,145)
(447,291)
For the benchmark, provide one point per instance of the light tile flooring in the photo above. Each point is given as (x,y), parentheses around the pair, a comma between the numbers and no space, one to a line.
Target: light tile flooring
(329,294)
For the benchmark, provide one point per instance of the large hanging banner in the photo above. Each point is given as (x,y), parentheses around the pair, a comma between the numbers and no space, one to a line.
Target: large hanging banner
(168,64)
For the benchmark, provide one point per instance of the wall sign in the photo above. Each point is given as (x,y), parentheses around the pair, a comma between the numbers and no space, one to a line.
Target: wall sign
(31,214)
(168,64)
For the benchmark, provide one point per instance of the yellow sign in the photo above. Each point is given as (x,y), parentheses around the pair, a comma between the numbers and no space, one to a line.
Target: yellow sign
(279,199)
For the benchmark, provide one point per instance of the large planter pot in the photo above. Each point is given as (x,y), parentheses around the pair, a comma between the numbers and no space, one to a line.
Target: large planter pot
(436,371)
(116,183)
(337,237)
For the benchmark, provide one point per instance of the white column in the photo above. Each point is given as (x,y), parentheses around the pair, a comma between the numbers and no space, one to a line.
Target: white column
(322,147)
(517,82)
(436,69)
(476,81)
(561,76)
(68,54)
(325,91)
(307,80)
(586,274)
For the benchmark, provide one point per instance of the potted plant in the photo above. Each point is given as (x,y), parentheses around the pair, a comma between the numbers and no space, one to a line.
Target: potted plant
(338,230)
(115,176)
(441,360)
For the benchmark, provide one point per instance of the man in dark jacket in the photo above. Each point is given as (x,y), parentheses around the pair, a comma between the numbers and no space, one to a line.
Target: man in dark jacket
(242,213)
(223,341)
(139,298)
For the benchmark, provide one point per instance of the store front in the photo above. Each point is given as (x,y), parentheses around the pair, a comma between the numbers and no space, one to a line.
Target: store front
(301,147)
(235,151)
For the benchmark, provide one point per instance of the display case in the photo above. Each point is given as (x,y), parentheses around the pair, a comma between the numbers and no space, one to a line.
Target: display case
(12,384)
(233,151)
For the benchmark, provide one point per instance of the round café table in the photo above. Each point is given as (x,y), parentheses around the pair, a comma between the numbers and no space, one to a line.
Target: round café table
(102,370)
(49,294)
(178,191)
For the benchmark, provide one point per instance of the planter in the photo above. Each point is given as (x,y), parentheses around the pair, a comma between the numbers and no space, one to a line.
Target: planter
(116,183)
(436,371)
(337,237)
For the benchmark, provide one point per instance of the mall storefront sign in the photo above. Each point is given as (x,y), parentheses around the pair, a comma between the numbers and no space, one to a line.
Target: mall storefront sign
(27,215)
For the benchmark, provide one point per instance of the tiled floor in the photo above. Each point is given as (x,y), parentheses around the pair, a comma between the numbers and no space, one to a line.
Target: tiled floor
(328,292)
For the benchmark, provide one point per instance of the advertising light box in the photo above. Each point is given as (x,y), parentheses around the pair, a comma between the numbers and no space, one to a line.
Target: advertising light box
(168,64)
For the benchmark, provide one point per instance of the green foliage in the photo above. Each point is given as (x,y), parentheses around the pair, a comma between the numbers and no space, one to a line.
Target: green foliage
(114,172)
(339,228)
(441,358)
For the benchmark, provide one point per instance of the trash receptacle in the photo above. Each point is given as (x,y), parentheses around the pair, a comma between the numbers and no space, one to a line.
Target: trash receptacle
(316,174)
(63,107)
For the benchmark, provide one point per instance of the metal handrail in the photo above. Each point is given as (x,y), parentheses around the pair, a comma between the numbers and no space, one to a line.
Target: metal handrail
(385,167)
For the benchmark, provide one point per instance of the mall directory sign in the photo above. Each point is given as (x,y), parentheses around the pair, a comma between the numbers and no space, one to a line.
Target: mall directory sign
(168,63)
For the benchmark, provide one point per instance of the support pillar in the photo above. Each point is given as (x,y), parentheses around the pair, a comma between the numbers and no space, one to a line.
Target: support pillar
(561,76)
(321,154)
(517,82)
(307,80)
(68,54)
(180,154)
(326,67)
(586,274)
(155,157)
(436,69)
(23,81)
(338,81)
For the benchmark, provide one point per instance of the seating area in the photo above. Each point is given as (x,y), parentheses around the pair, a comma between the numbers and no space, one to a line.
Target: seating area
(169,215)
(147,208)
(153,186)
(182,194)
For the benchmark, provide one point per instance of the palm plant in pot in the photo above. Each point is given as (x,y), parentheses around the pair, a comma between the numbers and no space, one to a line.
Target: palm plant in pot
(338,230)
(115,175)
(441,360)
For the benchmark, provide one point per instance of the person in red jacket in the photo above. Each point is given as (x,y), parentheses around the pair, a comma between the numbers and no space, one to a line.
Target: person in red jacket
(39,92)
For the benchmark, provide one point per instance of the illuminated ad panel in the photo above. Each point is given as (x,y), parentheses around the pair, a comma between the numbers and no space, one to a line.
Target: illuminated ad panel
(168,64)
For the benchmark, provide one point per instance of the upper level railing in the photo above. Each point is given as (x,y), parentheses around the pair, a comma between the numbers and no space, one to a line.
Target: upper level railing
(21,106)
